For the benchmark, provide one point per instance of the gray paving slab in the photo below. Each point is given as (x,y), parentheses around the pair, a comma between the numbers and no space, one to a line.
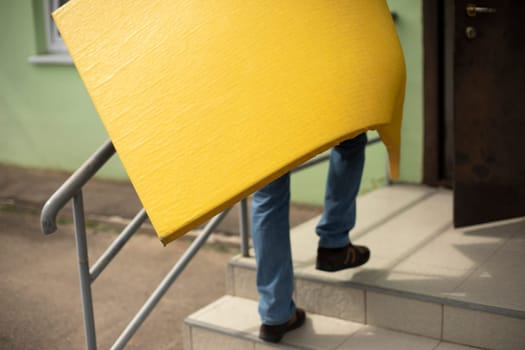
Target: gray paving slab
(499,279)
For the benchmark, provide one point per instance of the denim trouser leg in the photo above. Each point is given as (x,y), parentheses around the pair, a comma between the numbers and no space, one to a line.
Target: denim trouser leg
(342,185)
(271,240)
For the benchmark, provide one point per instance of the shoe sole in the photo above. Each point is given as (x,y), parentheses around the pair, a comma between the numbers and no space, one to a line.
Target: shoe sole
(338,268)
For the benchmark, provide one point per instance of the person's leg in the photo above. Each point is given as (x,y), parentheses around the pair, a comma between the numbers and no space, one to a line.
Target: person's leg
(344,178)
(342,185)
(271,240)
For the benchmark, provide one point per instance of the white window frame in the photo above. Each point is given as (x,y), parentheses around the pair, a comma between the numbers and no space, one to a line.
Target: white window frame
(54,42)
(55,49)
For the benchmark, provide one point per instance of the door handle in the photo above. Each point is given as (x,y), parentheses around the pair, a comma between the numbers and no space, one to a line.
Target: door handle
(473,10)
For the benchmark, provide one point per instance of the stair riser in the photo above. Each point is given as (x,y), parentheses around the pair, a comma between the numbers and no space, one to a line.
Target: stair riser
(204,339)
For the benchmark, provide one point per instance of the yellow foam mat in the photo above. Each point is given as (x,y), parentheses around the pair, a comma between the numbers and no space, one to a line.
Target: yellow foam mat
(205,101)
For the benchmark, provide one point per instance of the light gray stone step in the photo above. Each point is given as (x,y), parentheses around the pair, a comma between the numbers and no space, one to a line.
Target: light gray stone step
(232,323)
(424,277)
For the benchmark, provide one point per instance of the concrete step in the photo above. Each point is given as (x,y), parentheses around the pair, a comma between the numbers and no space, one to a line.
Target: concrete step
(424,277)
(232,323)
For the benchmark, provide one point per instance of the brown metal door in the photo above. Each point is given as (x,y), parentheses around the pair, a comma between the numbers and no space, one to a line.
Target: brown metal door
(489,111)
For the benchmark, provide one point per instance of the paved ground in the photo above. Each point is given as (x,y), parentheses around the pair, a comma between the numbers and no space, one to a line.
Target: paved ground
(39,293)
(40,301)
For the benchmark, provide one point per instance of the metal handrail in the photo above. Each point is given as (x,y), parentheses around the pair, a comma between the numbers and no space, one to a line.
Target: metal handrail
(71,189)
(72,185)
(91,166)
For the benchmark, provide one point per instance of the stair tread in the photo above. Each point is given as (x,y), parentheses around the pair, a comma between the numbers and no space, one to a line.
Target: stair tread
(237,317)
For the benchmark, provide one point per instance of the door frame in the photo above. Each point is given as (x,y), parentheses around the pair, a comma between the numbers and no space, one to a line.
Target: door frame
(434,154)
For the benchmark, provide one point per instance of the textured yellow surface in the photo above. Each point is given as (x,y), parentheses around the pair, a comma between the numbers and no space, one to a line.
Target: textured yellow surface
(207,100)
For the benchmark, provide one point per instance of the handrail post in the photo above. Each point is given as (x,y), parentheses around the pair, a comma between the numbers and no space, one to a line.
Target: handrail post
(245,228)
(83,269)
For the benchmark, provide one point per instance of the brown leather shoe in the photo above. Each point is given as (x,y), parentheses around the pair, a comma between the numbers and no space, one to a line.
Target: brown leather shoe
(335,259)
(275,333)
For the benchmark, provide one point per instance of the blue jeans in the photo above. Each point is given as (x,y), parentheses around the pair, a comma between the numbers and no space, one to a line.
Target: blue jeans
(271,227)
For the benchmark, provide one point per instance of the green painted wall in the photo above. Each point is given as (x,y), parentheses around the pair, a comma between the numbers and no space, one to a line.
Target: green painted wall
(47,119)
(410,29)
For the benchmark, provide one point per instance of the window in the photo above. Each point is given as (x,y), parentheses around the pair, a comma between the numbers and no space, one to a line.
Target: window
(54,42)
(49,44)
